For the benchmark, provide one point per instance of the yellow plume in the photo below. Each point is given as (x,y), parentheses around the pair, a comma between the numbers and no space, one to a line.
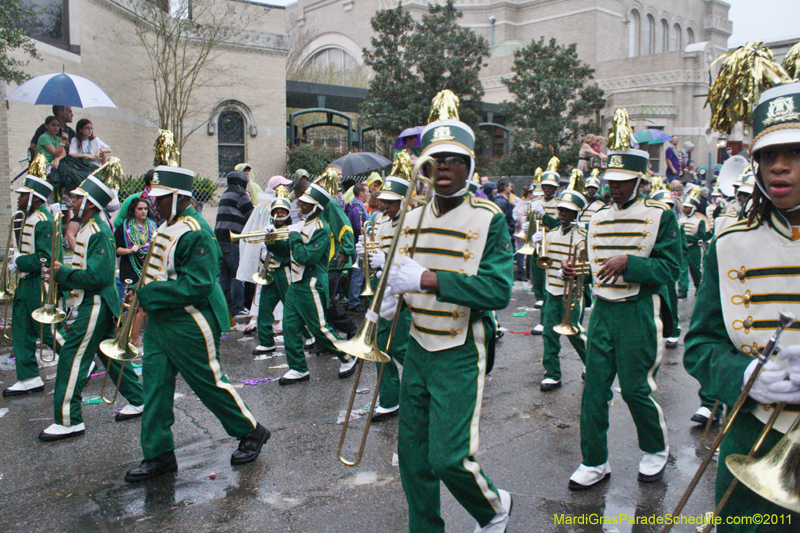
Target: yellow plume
(329,180)
(552,165)
(694,193)
(444,106)
(537,176)
(577,182)
(166,153)
(402,166)
(656,184)
(281,191)
(792,62)
(595,173)
(110,173)
(619,136)
(38,167)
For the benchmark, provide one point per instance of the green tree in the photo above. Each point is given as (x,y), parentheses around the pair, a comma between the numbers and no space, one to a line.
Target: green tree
(13,18)
(413,61)
(553,103)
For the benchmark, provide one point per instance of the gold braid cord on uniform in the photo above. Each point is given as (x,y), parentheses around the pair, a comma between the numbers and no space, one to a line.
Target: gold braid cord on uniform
(792,62)
(166,153)
(744,75)
(38,167)
(402,167)
(576,181)
(444,107)
(110,173)
(619,136)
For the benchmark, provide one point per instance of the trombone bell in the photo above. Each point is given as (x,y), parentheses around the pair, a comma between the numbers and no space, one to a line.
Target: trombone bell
(45,315)
(364,345)
(118,349)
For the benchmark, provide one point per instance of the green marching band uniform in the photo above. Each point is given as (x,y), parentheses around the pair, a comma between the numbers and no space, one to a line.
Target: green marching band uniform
(393,190)
(558,243)
(450,349)
(749,270)
(35,244)
(596,202)
(695,228)
(95,302)
(279,267)
(187,314)
(629,316)
(549,204)
(310,244)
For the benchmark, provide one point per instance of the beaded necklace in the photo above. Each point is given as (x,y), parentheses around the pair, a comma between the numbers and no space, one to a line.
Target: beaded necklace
(139,236)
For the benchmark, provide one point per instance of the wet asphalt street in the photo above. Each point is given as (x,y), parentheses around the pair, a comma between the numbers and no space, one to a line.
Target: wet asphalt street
(530,444)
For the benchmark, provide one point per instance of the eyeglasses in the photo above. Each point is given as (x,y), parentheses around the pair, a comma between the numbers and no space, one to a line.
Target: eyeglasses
(450,161)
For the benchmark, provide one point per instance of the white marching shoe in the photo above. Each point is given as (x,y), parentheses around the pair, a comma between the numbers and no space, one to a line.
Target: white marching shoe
(348,369)
(652,466)
(24,387)
(309,342)
(539,304)
(293,376)
(59,432)
(499,523)
(128,412)
(586,477)
(538,329)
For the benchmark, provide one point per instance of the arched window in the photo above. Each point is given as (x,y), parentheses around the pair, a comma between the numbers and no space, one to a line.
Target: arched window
(689,36)
(662,35)
(633,34)
(230,140)
(334,58)
(675,38)
(648,36)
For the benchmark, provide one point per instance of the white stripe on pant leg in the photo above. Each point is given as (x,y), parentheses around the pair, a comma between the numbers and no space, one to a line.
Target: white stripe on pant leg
(213,363)
(659,355)
(321,312)
(479,335)
(74,371)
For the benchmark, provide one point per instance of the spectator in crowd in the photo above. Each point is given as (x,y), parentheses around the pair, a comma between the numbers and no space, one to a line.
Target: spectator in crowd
(704,200)
(253,189)
(123,210)
(502,201)
(520,214)
(673,161)
(234,210)
(488,189)
(133,238)
(88,147)
(50,144)
(586,153)
(69,209)
(686,154)
(357,214)
(64,116)
(301,183)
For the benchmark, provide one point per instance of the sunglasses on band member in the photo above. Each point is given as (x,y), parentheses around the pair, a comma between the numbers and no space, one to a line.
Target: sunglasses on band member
(451,160)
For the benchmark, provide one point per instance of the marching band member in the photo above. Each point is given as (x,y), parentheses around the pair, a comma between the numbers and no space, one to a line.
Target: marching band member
(310,244)
(93,295)
(547,208)
(694,228)
(593,202)
(560,243)
(35,244)
(634,253)
(462,268)
(187,314)
(747,284)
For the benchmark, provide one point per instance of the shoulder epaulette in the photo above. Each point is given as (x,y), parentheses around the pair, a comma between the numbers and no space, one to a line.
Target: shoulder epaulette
(738,227)
(703,217)
(193,224)
(649,202)
(318,223)
(582,232)
(477,201)
(94,226)
(42,216)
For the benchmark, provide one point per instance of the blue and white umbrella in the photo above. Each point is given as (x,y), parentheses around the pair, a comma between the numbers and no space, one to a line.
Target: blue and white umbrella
(61,89)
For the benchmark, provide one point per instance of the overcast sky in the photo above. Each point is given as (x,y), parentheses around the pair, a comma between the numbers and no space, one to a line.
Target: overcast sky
(763,20)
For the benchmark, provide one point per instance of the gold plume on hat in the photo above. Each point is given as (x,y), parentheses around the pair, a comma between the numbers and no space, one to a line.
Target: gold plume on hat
(619,136)
(329,180)
(694,193)
(745,74)
(552,165)
(656,184)
(791,63)
(595,174)
(444,106)
(402,166)
(38,167)
(281,191)
(110,173)
(577,182)
(537,176)
(166,152)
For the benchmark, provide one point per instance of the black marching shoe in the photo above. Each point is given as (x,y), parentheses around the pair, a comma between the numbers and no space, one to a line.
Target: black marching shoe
(681,295)
(164,463)
(250,446)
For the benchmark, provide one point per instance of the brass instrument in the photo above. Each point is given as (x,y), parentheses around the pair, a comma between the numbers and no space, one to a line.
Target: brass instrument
(785,320)
(49,313)
(370,246)
(263,276)
(573,288)
(527,247)
(542,261)
(271,237)
(120,348)
(364,345)
(7,284)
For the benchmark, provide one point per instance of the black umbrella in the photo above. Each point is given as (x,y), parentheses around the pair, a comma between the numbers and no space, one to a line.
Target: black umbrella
(358,163)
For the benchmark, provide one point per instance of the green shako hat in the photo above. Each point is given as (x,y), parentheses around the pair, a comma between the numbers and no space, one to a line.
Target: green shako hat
(624,162)
(748,183)
(776,119)
(316,195)
(395,186)
(445,133)
(35,181)
(692,198)
(594,179)
(550,176)
(573,196)
(101,186)
(664,196)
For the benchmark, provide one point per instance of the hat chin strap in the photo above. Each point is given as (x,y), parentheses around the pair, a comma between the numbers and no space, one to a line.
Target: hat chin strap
(458,194)
(305,217)
(635,191)
(83,206)
(30,201)
(280,219)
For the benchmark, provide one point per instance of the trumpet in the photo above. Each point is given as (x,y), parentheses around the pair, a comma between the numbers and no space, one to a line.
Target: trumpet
(49,313)
(533,227)
(364,345)
(370,246)
(573,289)
(120,348)
(785,320)
(542,261)
(271,237)
(7,284)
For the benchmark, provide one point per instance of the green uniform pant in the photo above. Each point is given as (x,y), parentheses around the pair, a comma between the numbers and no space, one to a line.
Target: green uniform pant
(693,265)
(538,280)
(185,341)
(25,330)
(93,324)
(625,339)
(303,309)
(552,315)
(673,306)
(440,410)
(744,502)
(270,296)
(390,384)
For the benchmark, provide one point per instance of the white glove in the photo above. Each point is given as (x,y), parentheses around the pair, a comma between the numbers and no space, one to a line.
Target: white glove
(269,228)
(12,261)
(407,277)
(55,208)
(361,239)
(389,304)
(537,237)
(536,206)
(263,252)
(359,247)
(771,385)
(560,274)
(581,225)
(524,226)
(792,355)
(377,260)
(296,228)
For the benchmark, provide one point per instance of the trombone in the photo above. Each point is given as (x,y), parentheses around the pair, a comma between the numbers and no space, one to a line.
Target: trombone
(263,276)
(370,246)
(533,227)
(364,345)
(49,313)
(120,348)
(573,288)
(267,237)
(785,320)
(7,284)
